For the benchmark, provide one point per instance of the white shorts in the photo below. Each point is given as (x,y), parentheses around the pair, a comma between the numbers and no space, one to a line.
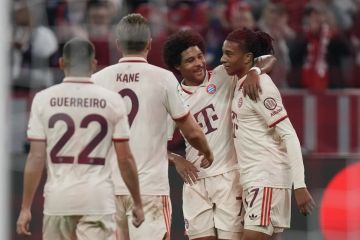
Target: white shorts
(213,205)
(267,210)
(157,210)
(79,227)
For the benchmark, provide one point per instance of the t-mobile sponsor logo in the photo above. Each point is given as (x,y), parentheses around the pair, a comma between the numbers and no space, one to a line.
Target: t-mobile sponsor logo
(206,117)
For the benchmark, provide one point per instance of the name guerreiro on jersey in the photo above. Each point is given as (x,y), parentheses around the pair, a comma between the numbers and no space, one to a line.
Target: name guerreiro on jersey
(77,102)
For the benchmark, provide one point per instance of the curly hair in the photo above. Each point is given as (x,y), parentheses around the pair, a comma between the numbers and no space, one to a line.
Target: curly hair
(179,42)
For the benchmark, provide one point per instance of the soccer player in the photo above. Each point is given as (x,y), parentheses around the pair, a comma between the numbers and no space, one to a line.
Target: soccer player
(212,206)
(151,95)
(71,128)
(266,143)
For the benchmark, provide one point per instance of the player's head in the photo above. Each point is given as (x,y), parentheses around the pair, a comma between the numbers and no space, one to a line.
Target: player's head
(241,47)
(133,34)
(78,58)
(184,52)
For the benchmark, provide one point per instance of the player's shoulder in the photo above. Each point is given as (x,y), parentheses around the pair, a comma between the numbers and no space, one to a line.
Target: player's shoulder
(105,71)
(159,70)
(50,91)
(266,81)
(104,92)
(267,85)
(218,73)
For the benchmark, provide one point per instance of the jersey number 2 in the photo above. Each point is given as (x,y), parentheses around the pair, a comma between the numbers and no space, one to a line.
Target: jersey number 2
(83,157)
(126,92)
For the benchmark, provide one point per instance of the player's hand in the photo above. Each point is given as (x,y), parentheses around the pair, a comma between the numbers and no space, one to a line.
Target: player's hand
(251,85)
(137,216)
(206,159)
(186,170)
(22,224)
(304,201)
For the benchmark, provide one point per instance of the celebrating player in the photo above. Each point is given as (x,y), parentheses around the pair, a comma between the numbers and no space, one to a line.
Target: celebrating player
(266,143)
(211,207)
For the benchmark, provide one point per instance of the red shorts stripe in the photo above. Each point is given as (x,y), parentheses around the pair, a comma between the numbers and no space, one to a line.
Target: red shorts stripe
(270,200)
(262,208)
(266,207)
(166,213)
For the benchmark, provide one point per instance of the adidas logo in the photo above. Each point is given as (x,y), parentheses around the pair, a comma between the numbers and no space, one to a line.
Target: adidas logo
(252,217)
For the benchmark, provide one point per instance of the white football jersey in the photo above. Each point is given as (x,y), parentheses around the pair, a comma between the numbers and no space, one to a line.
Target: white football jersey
(78,120)
(260,151)
(210,104)
(151,95)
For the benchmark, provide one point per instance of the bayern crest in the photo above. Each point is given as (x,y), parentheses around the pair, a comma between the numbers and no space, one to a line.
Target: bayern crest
(211,89)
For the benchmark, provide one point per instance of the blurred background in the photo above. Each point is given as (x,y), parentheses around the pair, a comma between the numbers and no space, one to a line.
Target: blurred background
(317,45)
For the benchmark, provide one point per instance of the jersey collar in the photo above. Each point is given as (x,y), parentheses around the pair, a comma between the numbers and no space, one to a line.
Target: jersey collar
(241,81)
(192,89)
(78,80)
(132,59)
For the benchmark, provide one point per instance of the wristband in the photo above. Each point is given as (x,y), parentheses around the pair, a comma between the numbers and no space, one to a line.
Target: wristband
(257,70)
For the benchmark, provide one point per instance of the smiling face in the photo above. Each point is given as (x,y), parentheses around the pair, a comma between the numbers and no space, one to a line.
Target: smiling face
(192,66)
(235,60)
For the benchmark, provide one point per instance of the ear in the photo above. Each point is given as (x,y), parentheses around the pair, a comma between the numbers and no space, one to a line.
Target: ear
(177,67)
(248,58)
(118,45)
(62,63)
(94,63)
(148,45)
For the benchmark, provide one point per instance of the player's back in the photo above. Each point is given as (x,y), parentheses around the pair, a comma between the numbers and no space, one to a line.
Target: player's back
(77,119)
(150,94)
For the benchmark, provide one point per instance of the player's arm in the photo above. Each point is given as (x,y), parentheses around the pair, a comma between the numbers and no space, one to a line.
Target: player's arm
(196,138)
(263,64)
(34,168)
(287,133)
(129,174)
(185,169)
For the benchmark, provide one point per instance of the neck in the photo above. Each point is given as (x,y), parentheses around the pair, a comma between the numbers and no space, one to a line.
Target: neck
(77,74)
(192,83)
(243,71)
(141,54)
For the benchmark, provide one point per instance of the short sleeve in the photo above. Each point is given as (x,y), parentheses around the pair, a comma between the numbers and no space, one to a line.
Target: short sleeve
(36,128)
(171,128)
(173,102)
(121,129)
(270,106)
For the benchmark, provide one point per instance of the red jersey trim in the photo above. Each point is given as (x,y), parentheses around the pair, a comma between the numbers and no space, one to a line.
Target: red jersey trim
(73,81)
(133,61)
(281,119)
(120,139)
(186,91)
(182,117)
(37,139)
(208,79)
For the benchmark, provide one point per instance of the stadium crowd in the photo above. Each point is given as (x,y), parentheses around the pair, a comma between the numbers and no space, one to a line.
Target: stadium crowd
(317,41)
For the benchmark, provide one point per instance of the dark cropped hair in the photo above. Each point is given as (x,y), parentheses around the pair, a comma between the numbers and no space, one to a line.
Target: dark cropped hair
(258,43)
(78,54)
(179,42)
(133,33)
